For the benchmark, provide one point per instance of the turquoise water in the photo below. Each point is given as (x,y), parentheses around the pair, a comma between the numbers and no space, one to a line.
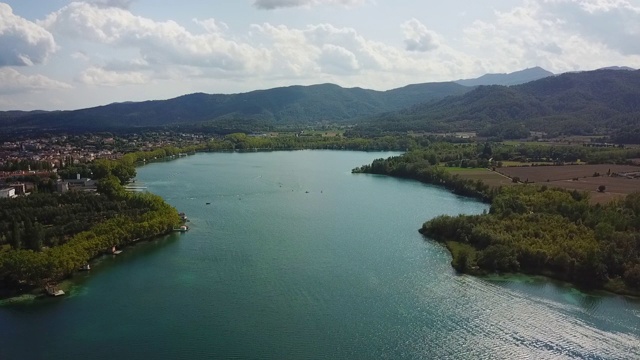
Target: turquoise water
(296,258)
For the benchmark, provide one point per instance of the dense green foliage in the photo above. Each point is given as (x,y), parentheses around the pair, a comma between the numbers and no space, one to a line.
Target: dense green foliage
(421,165)
(550,231)
(60,216)
(39,266)
(243,142)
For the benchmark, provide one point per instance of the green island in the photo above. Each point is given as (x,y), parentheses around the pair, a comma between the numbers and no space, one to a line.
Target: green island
(531,228)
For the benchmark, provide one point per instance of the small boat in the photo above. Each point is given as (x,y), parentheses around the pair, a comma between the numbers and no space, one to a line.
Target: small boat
(183,228)
(53,290)
(208,203)
(115,251)
(85,267)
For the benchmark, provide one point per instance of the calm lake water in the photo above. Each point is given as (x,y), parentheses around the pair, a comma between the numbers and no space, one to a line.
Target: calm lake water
(296,258)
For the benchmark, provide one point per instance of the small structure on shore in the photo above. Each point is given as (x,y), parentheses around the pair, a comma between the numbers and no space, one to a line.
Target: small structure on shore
(183,228)
(52,290)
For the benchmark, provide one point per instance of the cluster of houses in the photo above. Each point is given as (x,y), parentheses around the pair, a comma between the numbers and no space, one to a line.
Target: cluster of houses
(21,189)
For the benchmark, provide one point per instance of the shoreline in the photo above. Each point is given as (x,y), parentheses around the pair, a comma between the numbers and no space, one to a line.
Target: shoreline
(35,293)
(548,275)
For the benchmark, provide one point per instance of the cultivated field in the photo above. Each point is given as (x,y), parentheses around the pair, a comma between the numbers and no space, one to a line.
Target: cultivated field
(563,177)
(540,174)
(487,176)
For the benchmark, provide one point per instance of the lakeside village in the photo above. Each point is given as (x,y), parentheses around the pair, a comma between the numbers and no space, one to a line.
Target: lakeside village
(51,165)
(26,162)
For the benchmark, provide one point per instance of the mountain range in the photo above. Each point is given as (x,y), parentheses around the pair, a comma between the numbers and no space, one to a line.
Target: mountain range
(514,78)
(586,103)
(593,102)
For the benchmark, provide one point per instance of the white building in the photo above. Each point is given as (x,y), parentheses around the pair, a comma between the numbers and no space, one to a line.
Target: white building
(7,193)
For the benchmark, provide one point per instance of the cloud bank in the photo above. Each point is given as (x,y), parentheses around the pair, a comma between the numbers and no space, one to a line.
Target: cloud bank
(159,43)
(275,4)
(12,82)
(418,37)
(22,42)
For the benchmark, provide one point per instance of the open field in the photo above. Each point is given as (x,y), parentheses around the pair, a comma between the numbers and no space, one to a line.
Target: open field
(518,163)
(541,174)
(562,177)
(487,176)
(615,187)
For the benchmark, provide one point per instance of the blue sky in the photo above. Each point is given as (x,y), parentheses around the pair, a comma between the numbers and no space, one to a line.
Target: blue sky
(59,54)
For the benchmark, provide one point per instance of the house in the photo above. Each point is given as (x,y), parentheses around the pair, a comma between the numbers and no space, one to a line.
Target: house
(7,193)
(77,184)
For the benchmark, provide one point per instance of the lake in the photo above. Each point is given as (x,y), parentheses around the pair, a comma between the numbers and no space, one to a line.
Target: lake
(290,256)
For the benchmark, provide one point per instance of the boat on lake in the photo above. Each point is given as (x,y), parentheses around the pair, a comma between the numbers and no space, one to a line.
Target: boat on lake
(115,251)
(85,267)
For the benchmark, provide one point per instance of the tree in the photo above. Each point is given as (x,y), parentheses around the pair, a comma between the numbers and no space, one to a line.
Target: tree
(602,188)
(16,236)
(462,263)
(486,151)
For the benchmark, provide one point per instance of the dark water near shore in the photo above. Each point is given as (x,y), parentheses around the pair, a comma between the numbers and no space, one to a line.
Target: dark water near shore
(296,258)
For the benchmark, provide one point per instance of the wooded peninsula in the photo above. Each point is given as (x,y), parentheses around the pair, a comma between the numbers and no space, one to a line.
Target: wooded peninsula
(530,228)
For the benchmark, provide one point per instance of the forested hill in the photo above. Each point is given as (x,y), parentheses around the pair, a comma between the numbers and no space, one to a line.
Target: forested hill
(514,78)
(279,106)
(594,102)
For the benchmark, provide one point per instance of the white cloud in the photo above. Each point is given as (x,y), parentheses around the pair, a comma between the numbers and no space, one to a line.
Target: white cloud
(12,82)
(275,4)
(103,77)
(80,55)
(318,51)
(337,60)
(211,25)
(615,23)
(122,4)
(127,65)
(559,35)
(418,37)
(22,43)
(159,43)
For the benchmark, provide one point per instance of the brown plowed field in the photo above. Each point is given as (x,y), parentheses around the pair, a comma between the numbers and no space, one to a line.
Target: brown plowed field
(562,177)
(541,174)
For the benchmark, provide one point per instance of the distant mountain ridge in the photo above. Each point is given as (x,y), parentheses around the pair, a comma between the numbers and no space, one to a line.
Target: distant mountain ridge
(514,78)
(618,68)
(278,106)
(592,102)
